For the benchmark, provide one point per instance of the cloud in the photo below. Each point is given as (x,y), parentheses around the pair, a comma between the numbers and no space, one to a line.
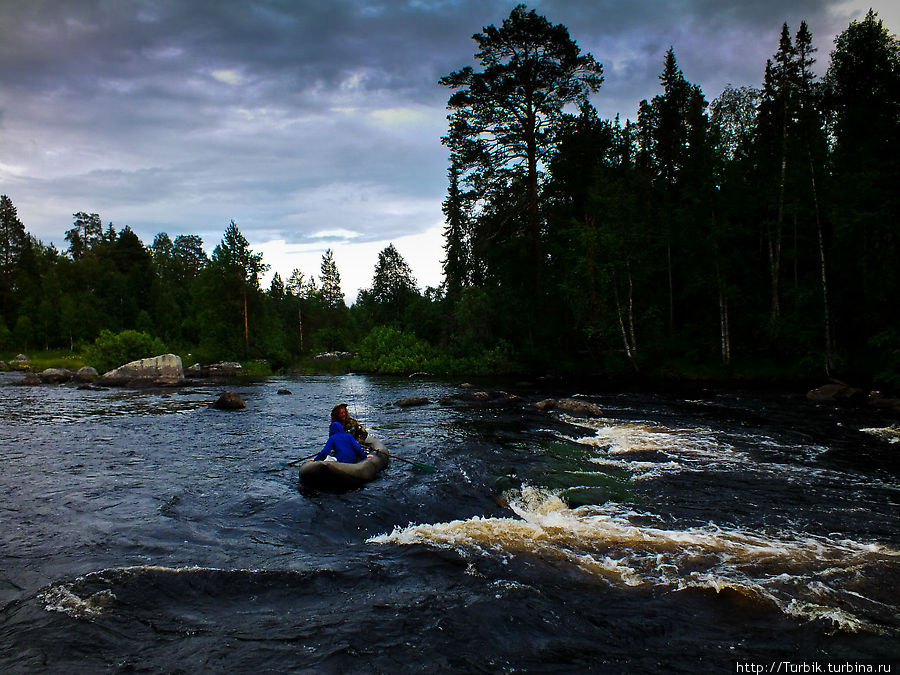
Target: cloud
(296,118)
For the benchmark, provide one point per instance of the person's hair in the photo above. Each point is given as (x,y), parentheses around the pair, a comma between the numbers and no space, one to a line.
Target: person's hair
(334,411)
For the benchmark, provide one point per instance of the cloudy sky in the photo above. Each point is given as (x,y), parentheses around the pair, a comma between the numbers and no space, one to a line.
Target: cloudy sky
(310,123)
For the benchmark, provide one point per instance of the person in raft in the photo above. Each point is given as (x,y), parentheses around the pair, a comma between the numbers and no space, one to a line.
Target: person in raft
(341,447)
(351,426)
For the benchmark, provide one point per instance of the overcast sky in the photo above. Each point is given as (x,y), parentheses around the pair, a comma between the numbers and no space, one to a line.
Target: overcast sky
(310,123)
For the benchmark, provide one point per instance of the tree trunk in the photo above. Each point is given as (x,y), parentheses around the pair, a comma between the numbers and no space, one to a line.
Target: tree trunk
(534,229)
(829,346)
(671,285)
(300,322)
(246,329)
(592,270)
(631,310)
(775,238)
(775,270)
(724,325)
(626,341)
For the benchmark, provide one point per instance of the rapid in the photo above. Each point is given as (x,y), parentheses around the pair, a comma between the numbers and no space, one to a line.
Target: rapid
(146,531)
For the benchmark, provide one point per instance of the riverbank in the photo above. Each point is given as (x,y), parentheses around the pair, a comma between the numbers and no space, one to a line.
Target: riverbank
(667,381)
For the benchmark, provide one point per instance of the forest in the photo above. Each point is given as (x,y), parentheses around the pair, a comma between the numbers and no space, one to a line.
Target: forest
(752,236)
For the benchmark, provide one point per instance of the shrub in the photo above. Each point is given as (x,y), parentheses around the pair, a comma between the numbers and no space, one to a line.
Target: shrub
(390,351)
(111,350)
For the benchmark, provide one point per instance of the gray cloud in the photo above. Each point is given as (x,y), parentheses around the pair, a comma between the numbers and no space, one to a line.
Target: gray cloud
(298,117)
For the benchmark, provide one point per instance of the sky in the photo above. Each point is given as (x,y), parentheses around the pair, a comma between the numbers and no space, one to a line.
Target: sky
(312,124)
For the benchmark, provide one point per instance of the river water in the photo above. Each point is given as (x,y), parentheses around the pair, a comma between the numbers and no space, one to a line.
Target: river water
(144,531)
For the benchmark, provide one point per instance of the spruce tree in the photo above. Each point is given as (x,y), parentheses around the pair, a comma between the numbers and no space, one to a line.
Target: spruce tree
(330,279)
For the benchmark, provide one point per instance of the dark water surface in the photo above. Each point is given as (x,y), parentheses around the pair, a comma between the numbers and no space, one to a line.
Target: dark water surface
(147,532)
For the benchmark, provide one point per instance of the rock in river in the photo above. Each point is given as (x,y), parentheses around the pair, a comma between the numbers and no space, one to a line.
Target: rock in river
(229,400)
(412,401)
(164,370)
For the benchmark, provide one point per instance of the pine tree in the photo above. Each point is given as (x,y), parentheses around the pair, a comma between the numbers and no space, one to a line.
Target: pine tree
(457,245)
(330,289)
(393,285)
(87,232)
(505,115)
(862,86)
(239,263)
(13,244)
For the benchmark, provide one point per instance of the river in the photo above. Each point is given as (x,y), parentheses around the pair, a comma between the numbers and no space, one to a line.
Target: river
(699,531)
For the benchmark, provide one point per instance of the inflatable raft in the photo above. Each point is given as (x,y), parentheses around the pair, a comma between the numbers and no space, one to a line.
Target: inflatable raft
(344,476)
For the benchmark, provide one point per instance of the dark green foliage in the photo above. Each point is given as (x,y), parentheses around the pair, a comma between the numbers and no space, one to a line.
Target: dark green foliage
(111,350)
(388,350)
(330,283)
(502,131)
(14,248)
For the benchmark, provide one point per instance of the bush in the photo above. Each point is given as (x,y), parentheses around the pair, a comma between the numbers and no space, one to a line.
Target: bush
(390,351)
(111,350)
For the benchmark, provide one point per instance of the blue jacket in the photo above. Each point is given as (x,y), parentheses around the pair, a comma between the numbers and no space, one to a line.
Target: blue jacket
(342,445)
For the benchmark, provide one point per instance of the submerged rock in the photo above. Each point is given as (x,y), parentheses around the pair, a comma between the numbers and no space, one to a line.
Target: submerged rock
(285,392)
(30,380)
(229,400)
(579,408)
(412,401)
(546,404)
(483,397)
(836,392)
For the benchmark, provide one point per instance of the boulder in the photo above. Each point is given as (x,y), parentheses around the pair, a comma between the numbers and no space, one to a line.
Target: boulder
(485,397)
(225,369)
(546,404)
(878,400)
(164,370)
(333,356)
(55,375)
(20,362)
(412,401)
(195,371)
(285,392)
(579,408)
(229,400)
(836,392)
(30,380)
(86,374)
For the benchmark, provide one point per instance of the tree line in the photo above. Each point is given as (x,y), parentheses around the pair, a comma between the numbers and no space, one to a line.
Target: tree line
(754,234)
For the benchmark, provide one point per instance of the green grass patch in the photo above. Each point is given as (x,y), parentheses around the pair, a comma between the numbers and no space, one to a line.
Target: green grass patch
(50,359)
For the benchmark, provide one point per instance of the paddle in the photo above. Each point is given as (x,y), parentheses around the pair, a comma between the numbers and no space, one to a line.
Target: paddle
(421,466)
(295,462)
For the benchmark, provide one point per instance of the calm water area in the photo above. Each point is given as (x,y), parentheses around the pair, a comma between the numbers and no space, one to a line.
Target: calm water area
(144,531)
